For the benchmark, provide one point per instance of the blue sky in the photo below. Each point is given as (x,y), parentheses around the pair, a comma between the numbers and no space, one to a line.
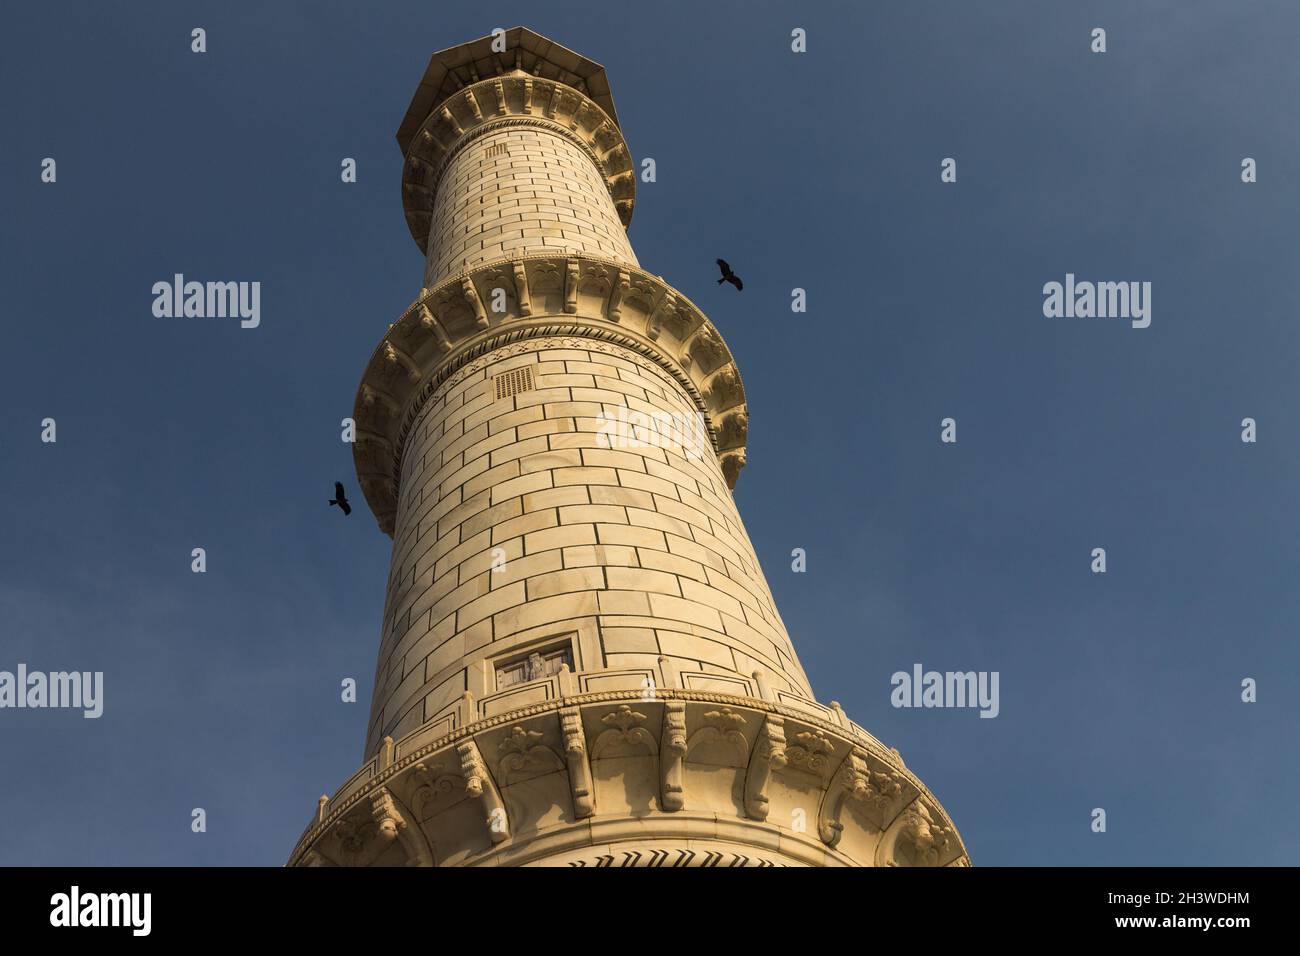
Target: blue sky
(818,171)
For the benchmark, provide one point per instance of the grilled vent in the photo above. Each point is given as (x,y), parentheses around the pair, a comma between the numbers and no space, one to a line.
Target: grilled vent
(535,666)
(514,381)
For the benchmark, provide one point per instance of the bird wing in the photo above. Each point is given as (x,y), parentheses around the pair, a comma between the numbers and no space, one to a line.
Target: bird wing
(347,508)
(722,264)
(338,489)
(735,280)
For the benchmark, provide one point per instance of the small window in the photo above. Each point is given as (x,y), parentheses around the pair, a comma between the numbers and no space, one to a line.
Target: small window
(534,666)
(514,381)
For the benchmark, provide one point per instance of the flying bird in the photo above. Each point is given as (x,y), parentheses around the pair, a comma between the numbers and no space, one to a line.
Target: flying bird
(729,276)
(340,498)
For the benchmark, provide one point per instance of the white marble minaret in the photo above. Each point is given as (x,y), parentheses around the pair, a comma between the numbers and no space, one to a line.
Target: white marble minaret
(581,662)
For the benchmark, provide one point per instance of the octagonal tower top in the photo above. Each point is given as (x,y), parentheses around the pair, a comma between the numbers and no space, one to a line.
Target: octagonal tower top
(527,52)
(515,77)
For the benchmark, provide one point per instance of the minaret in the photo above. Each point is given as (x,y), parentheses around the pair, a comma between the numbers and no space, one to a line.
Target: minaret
(581,663)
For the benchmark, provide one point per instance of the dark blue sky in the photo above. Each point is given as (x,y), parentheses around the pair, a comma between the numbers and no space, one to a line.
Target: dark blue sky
(819,171)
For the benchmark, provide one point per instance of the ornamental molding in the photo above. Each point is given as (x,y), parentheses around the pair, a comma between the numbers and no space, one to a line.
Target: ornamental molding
(541,799)
(677,856)
(722,737)
(447,334)
(507,102)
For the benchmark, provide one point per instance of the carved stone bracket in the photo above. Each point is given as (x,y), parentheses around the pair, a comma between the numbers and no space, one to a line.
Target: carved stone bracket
(369,397)
(432,326)
(850,782)
(667,307)
(449,118)
(920,837)
(769,755)
(672,749)
(396,357)
(521,289)
(395,822)
(571,287)
(475,303)
(575,752)
(480,785)
(618,289)
(472,100)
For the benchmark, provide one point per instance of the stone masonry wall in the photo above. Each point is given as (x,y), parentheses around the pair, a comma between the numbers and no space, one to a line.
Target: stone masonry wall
(637,551)
(518,189)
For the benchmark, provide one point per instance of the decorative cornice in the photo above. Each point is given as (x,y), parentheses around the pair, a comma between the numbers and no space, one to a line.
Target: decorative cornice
(616,724)
(676,857)
(510,101)
(446,331)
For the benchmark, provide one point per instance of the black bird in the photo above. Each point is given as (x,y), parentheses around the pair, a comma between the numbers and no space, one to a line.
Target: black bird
(340,498)
(729,276)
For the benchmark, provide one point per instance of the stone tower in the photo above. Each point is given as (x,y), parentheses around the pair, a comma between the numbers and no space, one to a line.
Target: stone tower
(581,663)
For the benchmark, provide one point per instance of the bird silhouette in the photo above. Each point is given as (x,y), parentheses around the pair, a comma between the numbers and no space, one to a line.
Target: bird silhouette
(729,276)
(340,498)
